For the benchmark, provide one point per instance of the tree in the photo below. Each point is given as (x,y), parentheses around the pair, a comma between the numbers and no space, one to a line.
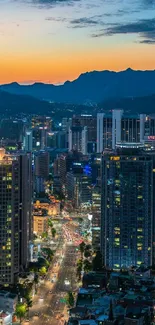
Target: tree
(44,235)
(78,272)
(42,262)
(87,254)
(53,232)
(20,311)
(48,252)
(79,269)
(97,262)
(34,236)
(50,224)
(87,266)
(88,247)
(36,281)
(70,299)
(43,271)
(28,302)
(82,248)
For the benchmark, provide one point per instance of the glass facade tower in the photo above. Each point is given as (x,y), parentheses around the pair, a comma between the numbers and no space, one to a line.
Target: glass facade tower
(127,207)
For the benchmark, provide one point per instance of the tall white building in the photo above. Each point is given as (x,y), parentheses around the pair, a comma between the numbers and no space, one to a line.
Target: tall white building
(78,139)
(100,117)
(116,127)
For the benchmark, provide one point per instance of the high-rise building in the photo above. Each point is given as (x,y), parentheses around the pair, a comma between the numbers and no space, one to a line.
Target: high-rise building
(127,207)
(27,144)
(115,128)
(41,162)
(130,129)
(89,121)
(96,217)
(40,137)
(79,182)
(78,139)
(15,214)
(147,130)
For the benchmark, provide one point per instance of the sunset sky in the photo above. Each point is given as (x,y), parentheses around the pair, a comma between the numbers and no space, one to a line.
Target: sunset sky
(56,40)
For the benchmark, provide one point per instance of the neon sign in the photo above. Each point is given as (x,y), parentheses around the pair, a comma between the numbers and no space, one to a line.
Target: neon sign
(151,137)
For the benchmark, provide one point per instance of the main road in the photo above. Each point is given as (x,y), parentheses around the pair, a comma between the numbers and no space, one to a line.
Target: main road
(48,305)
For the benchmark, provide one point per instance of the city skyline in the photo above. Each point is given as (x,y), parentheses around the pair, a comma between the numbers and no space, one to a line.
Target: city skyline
(54,41)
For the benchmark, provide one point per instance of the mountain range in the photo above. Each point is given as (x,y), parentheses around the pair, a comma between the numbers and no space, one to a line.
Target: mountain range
(91,87)
(11,105)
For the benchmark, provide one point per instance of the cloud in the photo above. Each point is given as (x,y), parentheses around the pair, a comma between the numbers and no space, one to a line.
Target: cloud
(57,19)
(50,3)
(147,41)
(144,28)
(84,22)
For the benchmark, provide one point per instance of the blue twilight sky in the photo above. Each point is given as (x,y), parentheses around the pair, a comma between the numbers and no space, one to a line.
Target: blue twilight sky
(56,40)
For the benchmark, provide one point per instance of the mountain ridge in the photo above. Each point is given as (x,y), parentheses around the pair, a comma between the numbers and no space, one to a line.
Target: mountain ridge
(91,87)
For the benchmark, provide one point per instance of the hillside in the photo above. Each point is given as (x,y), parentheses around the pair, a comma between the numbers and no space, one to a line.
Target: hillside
(91,87)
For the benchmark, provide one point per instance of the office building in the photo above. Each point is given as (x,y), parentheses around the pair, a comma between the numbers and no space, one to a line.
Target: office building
(41,121)
(66,123)
(40,138)
(90,122)
(52,139)
(41,167)
(78,139)
(57,139)
(127,207)
(27,143)
(41,161)
(147,130)
(79,185)
(115,128)
(96,217)
(15,214)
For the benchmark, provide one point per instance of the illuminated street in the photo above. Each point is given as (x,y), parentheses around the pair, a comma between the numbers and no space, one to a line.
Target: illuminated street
(48,306)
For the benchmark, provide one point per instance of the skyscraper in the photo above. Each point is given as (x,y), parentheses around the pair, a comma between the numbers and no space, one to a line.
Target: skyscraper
(15,214)
(78,139)
(28,141)
(115,128)
(96,217)
(127,207)
(41,162)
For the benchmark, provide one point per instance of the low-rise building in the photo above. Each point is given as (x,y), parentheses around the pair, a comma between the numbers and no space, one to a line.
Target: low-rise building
(5,318)
(40,224)
(8,301)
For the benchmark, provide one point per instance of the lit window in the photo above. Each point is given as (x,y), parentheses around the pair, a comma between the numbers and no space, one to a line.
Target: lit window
(116,265)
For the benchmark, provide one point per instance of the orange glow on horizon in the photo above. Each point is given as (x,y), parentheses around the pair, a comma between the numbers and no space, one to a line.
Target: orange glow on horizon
(57,68)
